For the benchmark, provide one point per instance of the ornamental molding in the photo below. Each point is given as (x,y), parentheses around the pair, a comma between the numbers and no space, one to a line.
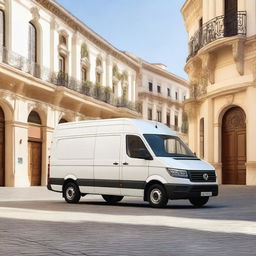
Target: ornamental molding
(35,13)
(238,55)
(208,66)
(74,24)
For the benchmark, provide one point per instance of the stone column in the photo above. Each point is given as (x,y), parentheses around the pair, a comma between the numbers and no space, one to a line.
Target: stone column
(154,112)
(9,154)
(145,109)
(20,153)
(164,113)
(109,71)
(209,131)
(76,58)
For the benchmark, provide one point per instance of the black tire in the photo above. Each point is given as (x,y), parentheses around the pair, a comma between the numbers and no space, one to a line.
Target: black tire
(112,199)
(199,201)
(71,193)
(157,196)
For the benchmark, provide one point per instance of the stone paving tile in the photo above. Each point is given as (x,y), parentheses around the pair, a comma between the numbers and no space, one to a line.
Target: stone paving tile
(26,237)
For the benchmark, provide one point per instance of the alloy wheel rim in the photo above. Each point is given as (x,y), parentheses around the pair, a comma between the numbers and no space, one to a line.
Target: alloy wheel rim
(70,193)
(155,196)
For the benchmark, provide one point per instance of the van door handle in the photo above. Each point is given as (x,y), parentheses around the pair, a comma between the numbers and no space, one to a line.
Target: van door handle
(125,163)
(115,163)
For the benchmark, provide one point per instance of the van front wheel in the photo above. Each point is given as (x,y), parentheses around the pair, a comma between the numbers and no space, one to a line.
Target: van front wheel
(72,193)
(199,201)
(112,199)
(157,196)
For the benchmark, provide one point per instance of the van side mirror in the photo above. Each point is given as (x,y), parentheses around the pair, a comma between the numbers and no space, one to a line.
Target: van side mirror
(143,153)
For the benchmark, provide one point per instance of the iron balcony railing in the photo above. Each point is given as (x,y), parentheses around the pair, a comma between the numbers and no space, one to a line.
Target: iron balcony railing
(101,93)
(219,27)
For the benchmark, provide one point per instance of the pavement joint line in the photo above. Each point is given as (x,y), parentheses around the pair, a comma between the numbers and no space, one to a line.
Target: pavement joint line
(221,226)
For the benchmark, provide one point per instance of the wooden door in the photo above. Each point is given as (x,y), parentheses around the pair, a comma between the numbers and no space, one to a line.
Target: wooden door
(34,161)
(230,19)
(2,148)
(234,147)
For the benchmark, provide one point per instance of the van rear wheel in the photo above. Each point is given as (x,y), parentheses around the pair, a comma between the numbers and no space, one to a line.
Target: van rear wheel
(157,196)
(199,201)
(72,193)
(112,199)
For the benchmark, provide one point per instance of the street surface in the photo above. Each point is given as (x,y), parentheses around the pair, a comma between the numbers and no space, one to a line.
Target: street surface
(35,221)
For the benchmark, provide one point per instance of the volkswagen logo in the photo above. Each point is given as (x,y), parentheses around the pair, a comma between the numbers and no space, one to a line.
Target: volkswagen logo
(205,176)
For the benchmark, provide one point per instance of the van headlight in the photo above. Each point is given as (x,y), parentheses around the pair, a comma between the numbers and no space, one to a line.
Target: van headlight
(177,173)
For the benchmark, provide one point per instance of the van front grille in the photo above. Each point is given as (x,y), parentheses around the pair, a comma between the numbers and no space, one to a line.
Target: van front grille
(202,176)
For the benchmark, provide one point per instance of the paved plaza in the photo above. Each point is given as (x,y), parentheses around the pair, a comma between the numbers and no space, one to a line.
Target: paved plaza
(35,221)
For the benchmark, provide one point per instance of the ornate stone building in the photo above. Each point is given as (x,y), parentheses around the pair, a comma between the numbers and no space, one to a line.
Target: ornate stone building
(53,69)
(222,70)
(161,95)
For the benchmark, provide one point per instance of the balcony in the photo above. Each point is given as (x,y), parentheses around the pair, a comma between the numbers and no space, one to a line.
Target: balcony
(87,88)
(219,27)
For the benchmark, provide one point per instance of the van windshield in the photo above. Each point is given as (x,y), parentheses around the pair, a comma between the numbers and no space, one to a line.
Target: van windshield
(168,146)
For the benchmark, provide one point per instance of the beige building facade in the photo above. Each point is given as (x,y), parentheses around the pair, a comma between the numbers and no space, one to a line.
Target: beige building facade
(53,69)
(222,71)
(161,95)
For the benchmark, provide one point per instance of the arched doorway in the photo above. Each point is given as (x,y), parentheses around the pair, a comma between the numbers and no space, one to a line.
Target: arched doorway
(2,148)
(34,149)
(234,147)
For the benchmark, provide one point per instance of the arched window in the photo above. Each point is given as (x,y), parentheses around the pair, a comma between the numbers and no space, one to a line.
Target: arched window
(2,28)
(62,120)
(202,138)
(34,118)
(32,41)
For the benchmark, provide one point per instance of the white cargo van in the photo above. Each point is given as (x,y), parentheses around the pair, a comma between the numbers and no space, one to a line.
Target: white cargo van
(127,157)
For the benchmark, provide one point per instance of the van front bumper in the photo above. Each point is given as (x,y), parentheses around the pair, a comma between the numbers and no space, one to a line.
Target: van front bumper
(182,191)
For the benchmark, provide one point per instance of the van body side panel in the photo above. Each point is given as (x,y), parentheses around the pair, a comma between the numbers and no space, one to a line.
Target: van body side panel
(107,164)
(73,156)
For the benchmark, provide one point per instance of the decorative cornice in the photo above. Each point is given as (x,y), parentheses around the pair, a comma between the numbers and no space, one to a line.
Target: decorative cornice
(164,73)
(78,26)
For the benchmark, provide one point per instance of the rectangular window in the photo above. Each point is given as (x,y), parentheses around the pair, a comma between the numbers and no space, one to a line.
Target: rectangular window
(98,77)
(2,28)
(150,86)
(32,44)
(168,92)
(62,64)
(84,74)
(159,89)
(135,147)
(176,95)
(159,116)
(150,114)
(168,119)
(176,122)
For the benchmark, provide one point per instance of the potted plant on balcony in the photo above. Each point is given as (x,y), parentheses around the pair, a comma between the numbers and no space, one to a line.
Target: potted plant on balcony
(108,94)
(99,91)
(87,88)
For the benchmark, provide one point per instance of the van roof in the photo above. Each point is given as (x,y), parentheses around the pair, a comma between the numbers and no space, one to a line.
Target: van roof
(143,126)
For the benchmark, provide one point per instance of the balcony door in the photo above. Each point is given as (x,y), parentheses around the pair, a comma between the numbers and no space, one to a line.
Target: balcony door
(230,19)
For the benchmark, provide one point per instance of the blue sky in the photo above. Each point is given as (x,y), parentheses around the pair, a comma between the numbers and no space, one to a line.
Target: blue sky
(151,29)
